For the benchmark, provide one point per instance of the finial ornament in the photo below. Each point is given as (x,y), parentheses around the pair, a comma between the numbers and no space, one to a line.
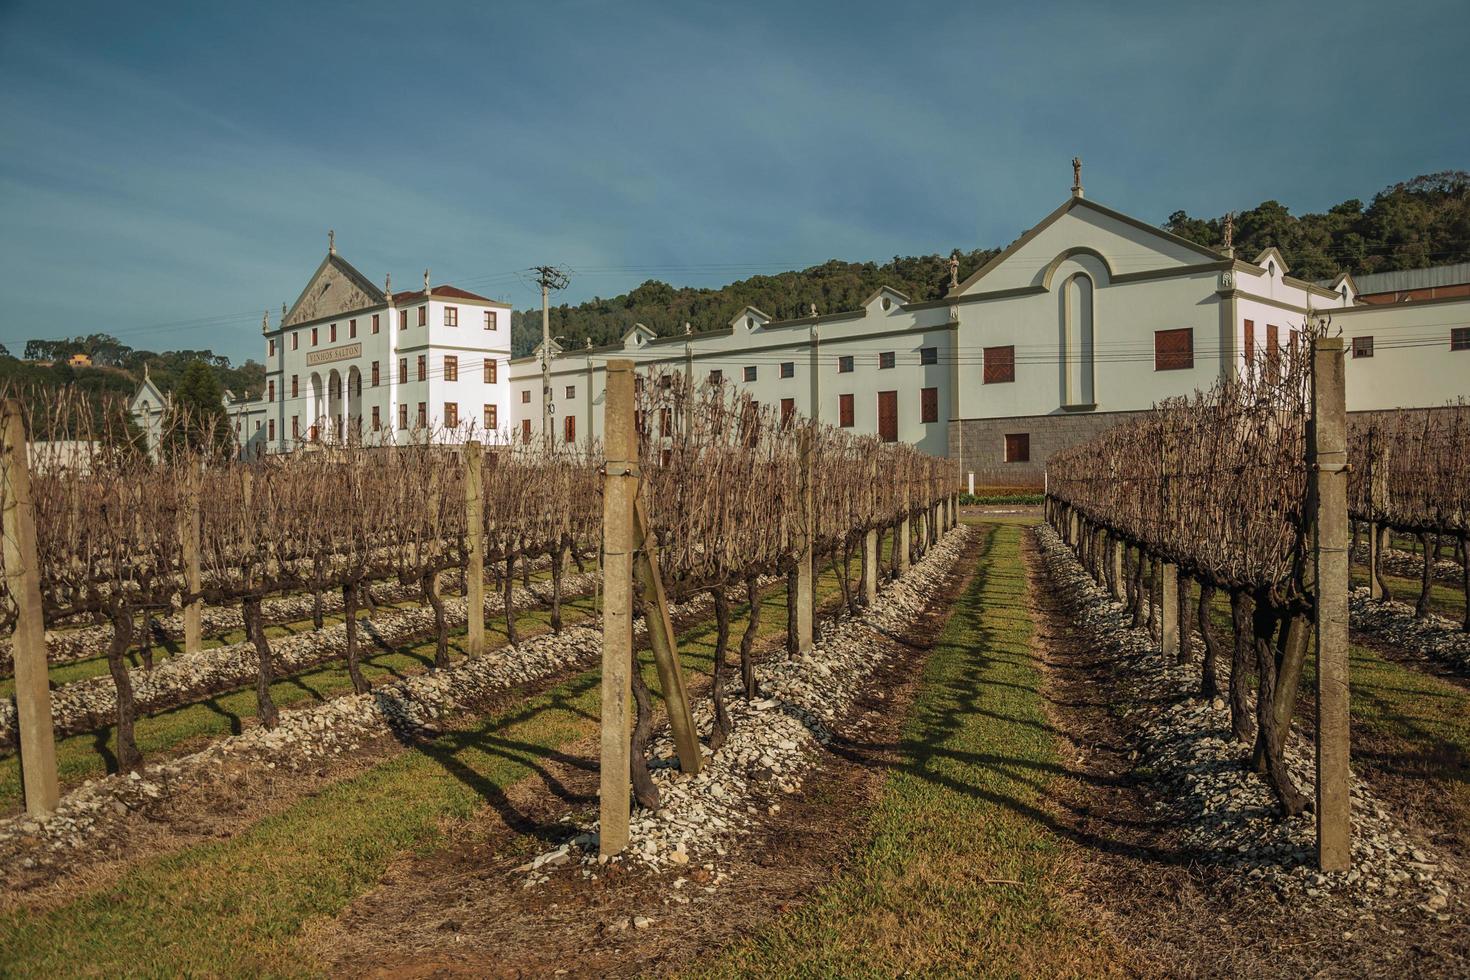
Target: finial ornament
(1230,233)
(954,269)
(688,328)
(283,312)
(426,282)
(1076,176)
(331,242)
(265,322)
(813,311)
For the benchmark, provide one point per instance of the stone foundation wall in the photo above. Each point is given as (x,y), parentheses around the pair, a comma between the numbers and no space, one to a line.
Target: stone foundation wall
(979,444)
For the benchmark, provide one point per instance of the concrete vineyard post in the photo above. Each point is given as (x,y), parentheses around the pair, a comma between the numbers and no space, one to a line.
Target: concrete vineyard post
(870,566)
(1328,475)
(189,533)
(1169,612)
(804,625)
(28,645)
(620,485)
(902,543)
(474,574)
(1119,552)
(1377,498)
(1374,544)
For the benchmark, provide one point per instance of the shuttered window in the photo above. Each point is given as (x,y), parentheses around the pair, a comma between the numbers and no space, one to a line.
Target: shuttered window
(1000,364)
(929,405)
(1362,346)
(1018,447)
(423,364)
(928,355)
(1273,345)
(1250,341)
(570,424)
(844,411)
(376,375)
(788,369)
(1460,338)
(788,409)
(1173,349)
(886,360)
(750,373)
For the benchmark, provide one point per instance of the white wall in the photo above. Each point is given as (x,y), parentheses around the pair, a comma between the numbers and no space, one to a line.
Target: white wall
(1412,365)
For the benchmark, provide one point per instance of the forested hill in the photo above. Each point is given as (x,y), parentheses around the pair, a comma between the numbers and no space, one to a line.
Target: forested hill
(833,286)
(1421,222)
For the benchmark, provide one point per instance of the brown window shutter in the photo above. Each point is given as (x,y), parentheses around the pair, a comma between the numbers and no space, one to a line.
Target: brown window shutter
(1018,447)
(929,405)
(1000,365)
(1173,349)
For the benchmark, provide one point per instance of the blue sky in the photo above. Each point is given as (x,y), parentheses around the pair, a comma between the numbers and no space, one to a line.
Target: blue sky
(169,170)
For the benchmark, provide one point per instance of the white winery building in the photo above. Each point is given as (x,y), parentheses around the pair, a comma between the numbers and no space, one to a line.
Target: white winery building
(1087,317)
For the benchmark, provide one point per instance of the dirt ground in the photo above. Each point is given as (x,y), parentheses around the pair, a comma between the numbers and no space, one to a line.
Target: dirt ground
(1183,918)
(464,911)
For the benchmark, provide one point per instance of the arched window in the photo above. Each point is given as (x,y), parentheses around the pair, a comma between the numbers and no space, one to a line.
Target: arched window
(1076,334)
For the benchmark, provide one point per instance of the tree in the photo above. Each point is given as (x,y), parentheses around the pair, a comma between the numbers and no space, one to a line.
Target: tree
(198,420)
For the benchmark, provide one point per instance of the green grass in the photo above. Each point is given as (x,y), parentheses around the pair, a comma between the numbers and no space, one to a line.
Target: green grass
(963,816)
(237,907)
(1445,599)
(87,755)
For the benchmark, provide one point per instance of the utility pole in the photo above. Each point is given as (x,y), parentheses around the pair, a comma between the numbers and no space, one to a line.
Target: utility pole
(549,277)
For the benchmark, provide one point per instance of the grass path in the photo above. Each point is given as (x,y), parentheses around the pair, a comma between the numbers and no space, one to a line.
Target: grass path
(238,906)
(961,875)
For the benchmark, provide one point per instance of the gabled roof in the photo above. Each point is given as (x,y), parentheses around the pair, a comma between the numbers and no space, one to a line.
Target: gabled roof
(889,290)
(1345,278)
(444,292)
(1272,253)
(638,335)
(346,269)
(1070,205)
(750,311)
(147,389)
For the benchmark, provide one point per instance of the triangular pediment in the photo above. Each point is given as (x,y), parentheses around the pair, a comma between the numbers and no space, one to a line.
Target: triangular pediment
(1117,242)
(335,288)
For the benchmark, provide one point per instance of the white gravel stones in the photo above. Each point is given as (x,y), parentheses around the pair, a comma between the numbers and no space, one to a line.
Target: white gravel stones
(774,739)
(86,704)
(1225,812)
(1434,637)
(304,737)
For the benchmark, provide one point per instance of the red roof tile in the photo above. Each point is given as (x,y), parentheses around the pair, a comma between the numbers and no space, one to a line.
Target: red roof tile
(440,292)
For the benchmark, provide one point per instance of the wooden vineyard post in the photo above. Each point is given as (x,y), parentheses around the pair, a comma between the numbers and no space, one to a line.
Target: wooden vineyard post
(665,648)
(189,533)
(28,645)
(804,634)
(620,486)
(474,573)
(1327,493)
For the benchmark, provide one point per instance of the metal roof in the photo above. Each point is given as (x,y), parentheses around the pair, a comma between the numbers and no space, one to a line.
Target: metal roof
(1404,279)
